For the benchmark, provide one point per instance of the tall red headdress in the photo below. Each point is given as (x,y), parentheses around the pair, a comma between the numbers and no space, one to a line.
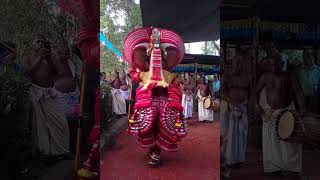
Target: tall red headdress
(141,37)
(155,42)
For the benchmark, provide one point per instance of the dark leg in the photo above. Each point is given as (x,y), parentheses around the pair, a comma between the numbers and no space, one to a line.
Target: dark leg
(154,156)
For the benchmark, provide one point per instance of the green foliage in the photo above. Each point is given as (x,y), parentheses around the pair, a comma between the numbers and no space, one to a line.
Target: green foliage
(210,48)
(295,57)
(20,19)
(105,87)
(112,12)
(13,89)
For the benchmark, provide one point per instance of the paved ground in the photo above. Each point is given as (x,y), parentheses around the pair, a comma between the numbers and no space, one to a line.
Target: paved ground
(110,131)
(198,158)
(253,169)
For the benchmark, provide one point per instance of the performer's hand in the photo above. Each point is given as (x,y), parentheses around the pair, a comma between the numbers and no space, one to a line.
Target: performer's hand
(44,52)
(259,110)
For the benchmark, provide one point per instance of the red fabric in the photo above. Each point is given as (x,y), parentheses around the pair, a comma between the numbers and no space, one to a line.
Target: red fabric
(92,162)
(134,74)
(86,10)
(142,35)
(94,135)
(95,132)
(156,119)
(155,125)
(72,7)
(88,42)
(90,47)
(40,3)
(155,62)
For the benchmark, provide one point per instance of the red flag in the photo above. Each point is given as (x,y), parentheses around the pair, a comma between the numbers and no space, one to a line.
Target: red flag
(40,3)
(73,7)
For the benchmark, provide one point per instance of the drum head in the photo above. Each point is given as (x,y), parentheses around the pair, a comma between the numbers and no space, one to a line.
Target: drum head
(207,103)
(286,125)
(216,104)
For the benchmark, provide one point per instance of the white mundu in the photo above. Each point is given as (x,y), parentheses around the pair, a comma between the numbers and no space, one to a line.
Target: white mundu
(118,102)
(187,104)
(277,154)
(204,114)
(234,131)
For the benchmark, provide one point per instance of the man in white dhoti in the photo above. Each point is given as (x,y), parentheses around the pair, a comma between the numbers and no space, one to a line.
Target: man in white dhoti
(205,115)
(275,90)
(50,127)
(52,131)
(124,87)
(234,120)
(118,100)
(187,98)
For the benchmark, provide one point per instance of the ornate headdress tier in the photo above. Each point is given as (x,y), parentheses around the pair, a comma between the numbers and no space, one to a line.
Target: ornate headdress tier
(148,37)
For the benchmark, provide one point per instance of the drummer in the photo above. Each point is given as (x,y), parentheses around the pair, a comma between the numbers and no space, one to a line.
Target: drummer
(278,156)
(203,91)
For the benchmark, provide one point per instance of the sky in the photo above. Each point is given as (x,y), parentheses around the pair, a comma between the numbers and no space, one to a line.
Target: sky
(195,48)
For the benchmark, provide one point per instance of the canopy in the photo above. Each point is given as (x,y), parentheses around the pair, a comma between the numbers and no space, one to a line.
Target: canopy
(195,21)
(206,64)
(291,24)
(201,59)
(287,34)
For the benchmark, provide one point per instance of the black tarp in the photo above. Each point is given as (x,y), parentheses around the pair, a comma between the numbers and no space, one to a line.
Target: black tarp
(274,10)
(194,20)
(207,64)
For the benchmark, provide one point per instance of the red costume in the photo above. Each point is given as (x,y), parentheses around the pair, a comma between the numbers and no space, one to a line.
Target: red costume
(88,13)
(157,120)
(93,160)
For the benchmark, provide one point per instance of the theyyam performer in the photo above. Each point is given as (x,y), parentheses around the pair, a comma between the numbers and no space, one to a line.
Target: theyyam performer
(157,120)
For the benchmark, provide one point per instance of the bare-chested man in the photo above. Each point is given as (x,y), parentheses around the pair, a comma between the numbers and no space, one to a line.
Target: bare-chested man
(187,98)
(51,131)
(65,85)
(124,85)
(265,64)
(118,101)
(203,91)
(278,155)
(234,97)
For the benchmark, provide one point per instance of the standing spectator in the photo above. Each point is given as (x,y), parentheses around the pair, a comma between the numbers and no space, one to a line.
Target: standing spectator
(216,86)
(309,78)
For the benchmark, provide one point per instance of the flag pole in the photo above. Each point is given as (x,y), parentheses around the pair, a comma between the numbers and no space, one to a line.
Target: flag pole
(79,130)
(130,96)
